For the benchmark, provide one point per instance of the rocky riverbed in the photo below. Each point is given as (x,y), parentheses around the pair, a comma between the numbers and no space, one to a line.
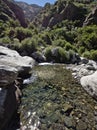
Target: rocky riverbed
(56,101)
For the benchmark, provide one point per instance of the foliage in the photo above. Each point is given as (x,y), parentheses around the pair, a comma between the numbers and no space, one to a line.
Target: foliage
(22,33)
(87,37)
(86,54)
(28,45)
(57,54)
(59,42)
(94,55)
(68,46)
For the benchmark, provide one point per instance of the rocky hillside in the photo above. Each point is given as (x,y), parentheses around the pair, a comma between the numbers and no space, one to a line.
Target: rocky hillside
(64,10)
(30,11)
(9,10)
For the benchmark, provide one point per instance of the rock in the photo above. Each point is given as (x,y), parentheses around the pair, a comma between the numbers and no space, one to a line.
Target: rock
(11,58)
(67,109)
(69,11)
(12,65)
(89,83)
(84,60)
(91,18)
(8,106)
(7,75)
(17,12)
(81,125)
(69,122)
(38,57)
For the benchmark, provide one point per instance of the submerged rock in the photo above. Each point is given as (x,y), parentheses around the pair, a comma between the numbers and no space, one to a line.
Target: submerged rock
(58,101)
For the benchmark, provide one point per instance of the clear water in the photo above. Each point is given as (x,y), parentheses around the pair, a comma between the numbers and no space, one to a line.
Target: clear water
(55,101)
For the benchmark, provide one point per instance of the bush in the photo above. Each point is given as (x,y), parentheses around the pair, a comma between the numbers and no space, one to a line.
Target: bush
(6,40)
(68,46)
(22,33)
(81,50)
(94,55)
(86,54)
(57,54)
(59,42)
(87,37)
(48,53)
(29,45)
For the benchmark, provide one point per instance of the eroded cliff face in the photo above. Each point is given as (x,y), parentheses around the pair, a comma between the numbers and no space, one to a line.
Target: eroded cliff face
(91,18)
(13,11)
(54,14)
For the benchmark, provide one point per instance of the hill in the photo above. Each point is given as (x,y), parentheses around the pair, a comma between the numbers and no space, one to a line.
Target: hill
(56,34)
(64,10)
(9,10)
(30,11)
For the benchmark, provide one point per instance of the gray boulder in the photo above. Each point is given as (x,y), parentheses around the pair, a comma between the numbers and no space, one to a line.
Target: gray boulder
(12,65)
(89,83)
(12,58)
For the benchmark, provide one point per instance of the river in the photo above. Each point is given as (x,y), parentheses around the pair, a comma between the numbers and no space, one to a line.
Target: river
(55,101)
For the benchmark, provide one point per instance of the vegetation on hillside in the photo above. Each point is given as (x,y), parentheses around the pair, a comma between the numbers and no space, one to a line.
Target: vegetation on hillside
(60,42)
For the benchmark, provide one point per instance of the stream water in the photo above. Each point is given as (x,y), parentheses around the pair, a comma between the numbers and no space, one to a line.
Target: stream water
(55,101)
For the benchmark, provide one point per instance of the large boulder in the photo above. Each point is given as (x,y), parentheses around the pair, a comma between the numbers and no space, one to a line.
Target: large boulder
(89,83)
(12,65)
(8,105)
(11,58)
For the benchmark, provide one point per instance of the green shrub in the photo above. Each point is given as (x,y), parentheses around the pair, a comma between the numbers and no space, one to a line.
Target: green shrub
(57,54)
(59,42)
(22,33)
(68,46)
(94,55)
(48,53)
(86,54)
(6,40)
(87,37)
(29,45)
(81,50)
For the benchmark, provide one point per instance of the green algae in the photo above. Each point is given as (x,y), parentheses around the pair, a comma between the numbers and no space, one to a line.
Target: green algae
(58,100)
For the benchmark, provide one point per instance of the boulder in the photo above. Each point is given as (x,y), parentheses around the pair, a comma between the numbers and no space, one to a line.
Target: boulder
(7,75)
(11,58)
(8,105)
(12,65)
(39,57)
(89,83)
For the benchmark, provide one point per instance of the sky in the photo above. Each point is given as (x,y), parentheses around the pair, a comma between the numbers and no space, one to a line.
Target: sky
(38,2)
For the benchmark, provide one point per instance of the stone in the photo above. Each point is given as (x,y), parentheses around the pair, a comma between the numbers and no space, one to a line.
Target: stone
(39,57)
(12,58)
(84,60)
(12,65)
(69,122)
(89,83)
(7,75)
(81,125)
(8,106)
(67,109)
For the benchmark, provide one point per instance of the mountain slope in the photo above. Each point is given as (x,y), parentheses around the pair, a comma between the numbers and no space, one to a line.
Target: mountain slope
(62,10)
(9,10)
(30,11)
